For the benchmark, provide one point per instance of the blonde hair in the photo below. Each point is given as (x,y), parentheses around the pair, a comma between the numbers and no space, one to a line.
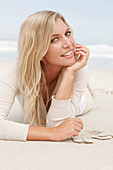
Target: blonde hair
(34,39)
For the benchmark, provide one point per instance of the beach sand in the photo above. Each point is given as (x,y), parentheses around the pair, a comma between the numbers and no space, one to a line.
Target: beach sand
(67,155)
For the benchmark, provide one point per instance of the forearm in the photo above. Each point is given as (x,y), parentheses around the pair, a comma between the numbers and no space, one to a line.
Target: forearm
(65,87)
(40,133)
(70,127)
(64,90)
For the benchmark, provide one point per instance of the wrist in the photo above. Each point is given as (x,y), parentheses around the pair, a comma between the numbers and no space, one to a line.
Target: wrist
(69,74)
(54,136)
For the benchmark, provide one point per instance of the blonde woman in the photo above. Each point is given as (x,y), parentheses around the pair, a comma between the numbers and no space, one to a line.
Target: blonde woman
(49,78)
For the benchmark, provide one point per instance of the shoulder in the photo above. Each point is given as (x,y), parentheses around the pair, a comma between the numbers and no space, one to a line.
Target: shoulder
(11,67)
(9,73)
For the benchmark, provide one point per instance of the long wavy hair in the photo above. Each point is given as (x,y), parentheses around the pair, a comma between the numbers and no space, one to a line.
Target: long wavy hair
(33,43)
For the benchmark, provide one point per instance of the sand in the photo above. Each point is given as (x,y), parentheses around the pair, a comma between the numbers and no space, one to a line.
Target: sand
(67,155)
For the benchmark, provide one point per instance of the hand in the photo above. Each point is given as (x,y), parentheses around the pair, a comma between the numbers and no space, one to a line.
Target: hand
(81,61)
(70,127)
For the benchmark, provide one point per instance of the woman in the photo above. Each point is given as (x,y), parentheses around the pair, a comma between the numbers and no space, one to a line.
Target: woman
(49,79)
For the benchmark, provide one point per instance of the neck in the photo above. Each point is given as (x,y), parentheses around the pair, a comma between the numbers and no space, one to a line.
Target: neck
(51,73)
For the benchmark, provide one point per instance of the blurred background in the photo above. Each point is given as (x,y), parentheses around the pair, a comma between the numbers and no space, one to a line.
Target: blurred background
(92,22)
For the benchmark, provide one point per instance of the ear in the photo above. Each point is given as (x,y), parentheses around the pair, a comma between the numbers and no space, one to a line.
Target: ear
(42,59)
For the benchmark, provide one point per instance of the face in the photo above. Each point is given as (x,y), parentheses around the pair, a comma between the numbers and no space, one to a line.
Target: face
(61,49)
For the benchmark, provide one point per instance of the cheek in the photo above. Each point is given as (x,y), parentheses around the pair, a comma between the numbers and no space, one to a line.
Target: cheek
(51,54)
(73,41)
(54,50)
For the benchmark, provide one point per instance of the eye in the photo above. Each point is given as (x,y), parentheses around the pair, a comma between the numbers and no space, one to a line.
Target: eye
(54,39)
(67,33)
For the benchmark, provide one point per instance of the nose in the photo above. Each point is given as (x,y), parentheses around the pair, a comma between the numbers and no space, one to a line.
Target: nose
(66,42)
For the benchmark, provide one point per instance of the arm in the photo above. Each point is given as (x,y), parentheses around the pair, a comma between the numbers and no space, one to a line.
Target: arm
(65,103)
(65,88)
(40,133)
(10,130)
(63,127)
(59,133)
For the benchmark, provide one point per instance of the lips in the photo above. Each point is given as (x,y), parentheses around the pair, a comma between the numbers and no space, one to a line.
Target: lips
(68,53)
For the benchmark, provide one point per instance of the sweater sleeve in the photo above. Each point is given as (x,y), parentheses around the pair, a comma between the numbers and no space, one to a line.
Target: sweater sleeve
(63,109)
(10,130)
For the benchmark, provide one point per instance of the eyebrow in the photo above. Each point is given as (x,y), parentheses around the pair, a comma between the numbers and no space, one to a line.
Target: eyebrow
(59,34)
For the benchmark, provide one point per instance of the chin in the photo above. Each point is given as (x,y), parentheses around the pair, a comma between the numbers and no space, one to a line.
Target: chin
(71,63)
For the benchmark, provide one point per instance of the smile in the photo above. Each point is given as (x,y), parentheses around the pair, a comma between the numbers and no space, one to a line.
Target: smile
(68,54)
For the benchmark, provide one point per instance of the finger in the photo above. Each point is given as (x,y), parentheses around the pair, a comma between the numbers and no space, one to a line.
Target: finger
(75,120)
(75,133)
(77,128)
(82,46)
(78,120)
(81,53)
(86,50)
(79,45)
(78,124)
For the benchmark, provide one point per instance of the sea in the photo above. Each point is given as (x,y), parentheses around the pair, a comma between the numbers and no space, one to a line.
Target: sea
(101,55)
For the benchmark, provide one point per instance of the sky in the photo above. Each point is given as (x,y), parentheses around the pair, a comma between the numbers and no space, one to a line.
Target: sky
(92,21)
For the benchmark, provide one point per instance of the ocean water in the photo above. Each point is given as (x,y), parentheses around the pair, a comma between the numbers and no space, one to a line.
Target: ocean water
(101,56)
(8,50)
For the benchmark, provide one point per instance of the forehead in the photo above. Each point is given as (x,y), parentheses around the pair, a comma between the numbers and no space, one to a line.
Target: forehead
(60,26)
